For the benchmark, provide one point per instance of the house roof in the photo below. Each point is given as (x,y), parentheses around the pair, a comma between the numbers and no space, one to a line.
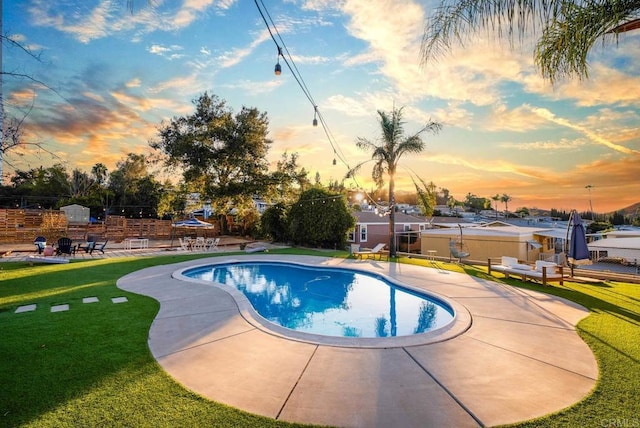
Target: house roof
(623,243)
(371,217)
(503,229)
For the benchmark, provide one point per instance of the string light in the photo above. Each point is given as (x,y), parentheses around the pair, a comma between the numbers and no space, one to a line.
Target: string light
(278,68)
(317,114)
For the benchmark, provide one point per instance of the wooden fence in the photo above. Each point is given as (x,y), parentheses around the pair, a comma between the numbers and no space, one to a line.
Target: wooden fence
(21,226)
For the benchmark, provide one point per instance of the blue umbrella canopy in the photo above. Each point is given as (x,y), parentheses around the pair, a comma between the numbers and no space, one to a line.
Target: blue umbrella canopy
(578,249)
(192,222)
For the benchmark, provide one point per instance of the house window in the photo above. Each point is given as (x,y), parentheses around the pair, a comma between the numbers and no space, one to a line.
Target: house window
(351,235)
(407,228)
(363,233)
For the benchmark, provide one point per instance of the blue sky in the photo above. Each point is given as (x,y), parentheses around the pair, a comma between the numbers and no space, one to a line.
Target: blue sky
(116,76)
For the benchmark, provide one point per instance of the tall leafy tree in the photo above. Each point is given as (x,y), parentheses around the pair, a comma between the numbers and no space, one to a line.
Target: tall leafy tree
(136,193)
(221,153)
(288,181)
(568,29)
(44,187)
(386,155)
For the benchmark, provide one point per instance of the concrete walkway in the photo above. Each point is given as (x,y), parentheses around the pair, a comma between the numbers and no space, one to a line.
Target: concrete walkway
(519,358)
(26,252)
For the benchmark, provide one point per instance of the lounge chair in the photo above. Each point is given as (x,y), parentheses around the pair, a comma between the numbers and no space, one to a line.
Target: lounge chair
(65,246)
(376,251)
(255,249)
(40,243)
(542,271)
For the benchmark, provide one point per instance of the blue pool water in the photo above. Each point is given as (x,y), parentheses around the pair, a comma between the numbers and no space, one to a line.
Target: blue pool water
(329,301)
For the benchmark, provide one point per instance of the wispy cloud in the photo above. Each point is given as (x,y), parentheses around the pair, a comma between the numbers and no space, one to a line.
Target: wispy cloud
(551,117)
(87,23)
(231,58)
(519,119)
(254,87)
(547,147)
(493,166)
(169,52)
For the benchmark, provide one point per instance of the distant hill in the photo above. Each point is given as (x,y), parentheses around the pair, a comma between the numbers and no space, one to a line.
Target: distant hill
(630,210)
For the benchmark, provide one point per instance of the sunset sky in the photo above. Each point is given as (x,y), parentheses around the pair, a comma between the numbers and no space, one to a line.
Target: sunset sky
(113,76)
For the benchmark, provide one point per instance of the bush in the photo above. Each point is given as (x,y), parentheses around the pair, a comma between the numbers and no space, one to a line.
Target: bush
(274,222)
(320,219)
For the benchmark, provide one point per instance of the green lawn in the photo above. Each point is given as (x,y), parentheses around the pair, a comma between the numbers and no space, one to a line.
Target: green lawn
(90,366)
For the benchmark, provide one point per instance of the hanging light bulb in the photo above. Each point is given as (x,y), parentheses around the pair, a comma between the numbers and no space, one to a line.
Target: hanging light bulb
(278,69)
(334,161)
(315,119)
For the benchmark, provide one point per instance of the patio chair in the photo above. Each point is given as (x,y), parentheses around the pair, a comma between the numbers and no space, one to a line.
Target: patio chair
(199,244)
(65,246)
(99,246)
(185,243)
(212,244)
(89,245)
(375,251)
(40,243)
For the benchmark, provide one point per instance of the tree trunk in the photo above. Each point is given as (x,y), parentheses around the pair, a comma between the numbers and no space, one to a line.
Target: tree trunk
(392,216)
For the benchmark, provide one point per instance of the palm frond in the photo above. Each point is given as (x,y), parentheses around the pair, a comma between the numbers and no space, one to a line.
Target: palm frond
(565,44)
(569,28)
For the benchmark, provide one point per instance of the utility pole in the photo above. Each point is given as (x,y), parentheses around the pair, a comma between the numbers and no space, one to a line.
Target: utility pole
(589,186)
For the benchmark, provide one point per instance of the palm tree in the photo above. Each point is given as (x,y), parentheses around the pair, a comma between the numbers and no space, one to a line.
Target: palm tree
(568,28)
(506,198)
(387,154)
(496,198)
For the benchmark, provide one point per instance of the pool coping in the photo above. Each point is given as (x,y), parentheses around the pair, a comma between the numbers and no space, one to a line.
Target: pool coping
(520,358)
(460,323)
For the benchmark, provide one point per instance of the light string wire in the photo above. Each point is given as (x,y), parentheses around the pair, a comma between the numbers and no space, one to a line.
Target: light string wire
(290,63)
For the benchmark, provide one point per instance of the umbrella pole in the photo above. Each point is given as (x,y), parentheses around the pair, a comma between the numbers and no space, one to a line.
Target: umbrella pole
(172,233)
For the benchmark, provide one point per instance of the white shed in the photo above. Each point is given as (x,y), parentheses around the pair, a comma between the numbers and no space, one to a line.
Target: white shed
(76,214)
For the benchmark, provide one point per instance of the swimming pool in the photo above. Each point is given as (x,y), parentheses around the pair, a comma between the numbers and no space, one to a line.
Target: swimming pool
(329,301)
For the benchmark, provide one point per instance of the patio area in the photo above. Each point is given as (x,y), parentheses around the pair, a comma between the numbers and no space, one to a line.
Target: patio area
(519,358)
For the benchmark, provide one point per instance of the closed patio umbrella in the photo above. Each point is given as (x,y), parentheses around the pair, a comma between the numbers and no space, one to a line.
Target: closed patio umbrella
(578,252)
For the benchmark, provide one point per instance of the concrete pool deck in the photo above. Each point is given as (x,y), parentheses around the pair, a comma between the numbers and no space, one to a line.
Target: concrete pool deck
(519,359)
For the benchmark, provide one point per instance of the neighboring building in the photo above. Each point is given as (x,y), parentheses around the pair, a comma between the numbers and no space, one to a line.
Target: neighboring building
(496,239)
(372,229)
(261,205)
(631,232)
(621,244)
